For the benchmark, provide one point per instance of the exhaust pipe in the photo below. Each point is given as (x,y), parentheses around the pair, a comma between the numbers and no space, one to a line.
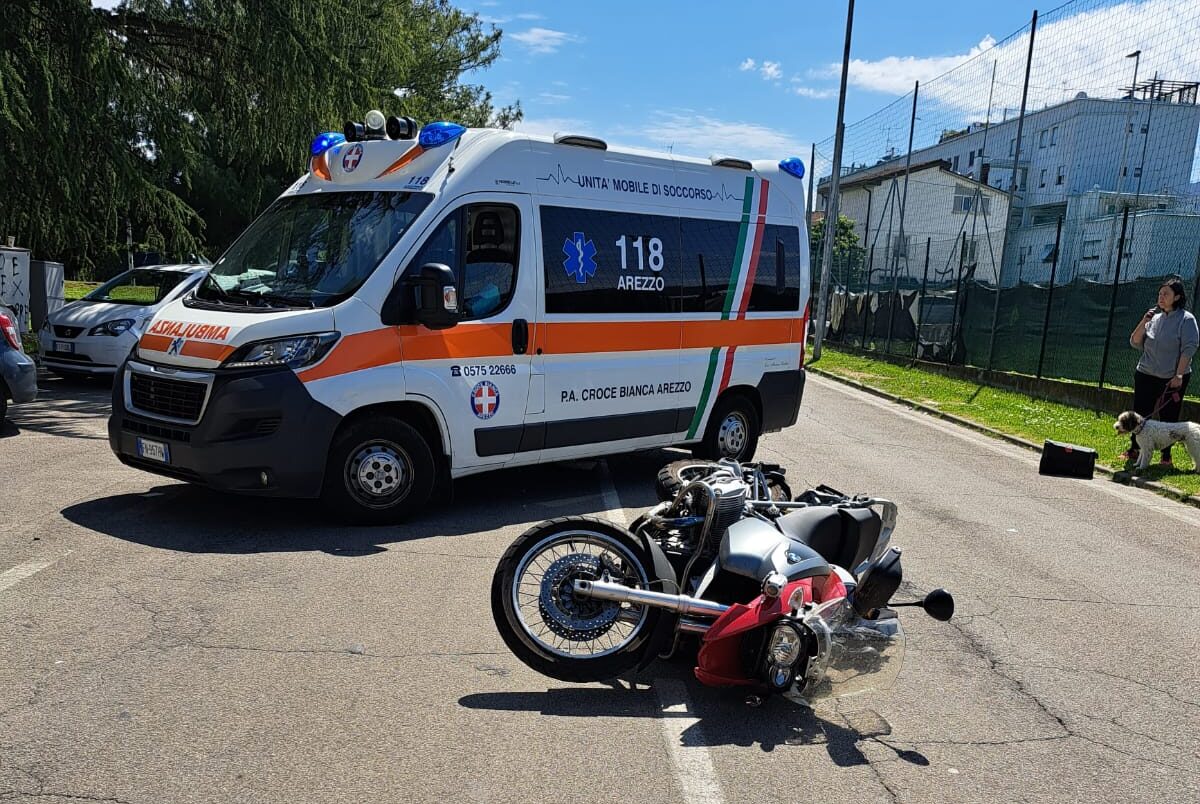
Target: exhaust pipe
(682,604)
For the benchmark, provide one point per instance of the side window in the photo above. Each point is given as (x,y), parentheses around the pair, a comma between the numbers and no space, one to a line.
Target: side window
(481,245)
(777,276)
(610,262)
(709,248)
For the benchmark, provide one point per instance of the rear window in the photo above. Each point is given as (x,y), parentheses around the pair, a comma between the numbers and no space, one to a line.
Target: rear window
(141,286)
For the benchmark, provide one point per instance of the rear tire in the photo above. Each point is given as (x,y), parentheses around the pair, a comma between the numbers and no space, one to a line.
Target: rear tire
(733,431)
(673,477)
(380,471)
(553,632)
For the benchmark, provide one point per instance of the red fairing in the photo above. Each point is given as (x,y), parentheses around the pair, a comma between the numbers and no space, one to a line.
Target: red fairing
(720,663)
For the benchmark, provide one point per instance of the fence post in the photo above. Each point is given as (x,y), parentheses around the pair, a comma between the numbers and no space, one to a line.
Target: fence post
(1050,296)
(867,298)
(812,176)
(921,300)
(1112,301)
(1196,286)
(1012,188)
(962,253)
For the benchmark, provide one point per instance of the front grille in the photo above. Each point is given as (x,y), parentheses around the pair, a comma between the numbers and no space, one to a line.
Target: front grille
(178,399)
(158,431)
(67,332)
(177,472)
(67,357)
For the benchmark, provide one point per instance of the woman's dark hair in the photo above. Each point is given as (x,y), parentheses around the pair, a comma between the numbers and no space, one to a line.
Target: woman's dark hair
(1176,286)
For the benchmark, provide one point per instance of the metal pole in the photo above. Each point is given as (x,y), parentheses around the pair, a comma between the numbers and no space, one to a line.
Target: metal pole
(812,176)
(921,301)
(1012,187)
(962,253)
(912,122)
(1049,297)
(831,211)
(1112,302)
(867,297)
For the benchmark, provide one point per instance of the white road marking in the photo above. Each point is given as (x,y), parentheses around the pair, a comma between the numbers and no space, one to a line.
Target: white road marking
(23,571)
(1144,498)
(694,771)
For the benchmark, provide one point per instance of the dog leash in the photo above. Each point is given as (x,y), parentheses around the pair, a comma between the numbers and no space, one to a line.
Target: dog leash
(1168,394)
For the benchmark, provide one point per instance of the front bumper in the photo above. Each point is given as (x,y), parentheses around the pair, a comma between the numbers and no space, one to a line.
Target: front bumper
(92,354)
(255,424)
(19,373)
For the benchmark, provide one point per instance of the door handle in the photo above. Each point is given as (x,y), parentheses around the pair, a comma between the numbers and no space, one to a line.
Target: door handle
(520,336)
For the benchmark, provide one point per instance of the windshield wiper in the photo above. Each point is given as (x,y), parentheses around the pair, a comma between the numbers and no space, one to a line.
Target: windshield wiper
(286,301)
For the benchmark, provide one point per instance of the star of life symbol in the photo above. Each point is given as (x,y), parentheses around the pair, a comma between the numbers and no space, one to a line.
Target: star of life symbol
(352,158)
(176,346)
(581,257)
(485,399)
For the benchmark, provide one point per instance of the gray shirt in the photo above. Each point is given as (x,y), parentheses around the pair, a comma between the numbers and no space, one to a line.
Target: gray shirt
(1168,336)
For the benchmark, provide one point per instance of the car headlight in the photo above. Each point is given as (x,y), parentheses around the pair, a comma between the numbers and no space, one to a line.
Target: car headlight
(115,327)
(295,352)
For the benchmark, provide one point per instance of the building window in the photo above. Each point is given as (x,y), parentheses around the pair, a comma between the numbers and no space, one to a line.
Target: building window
(1091,250)
(964,200)
(1042,138)
(1054,135)
(1060,176)
(954,166)
(1137,172)
(1012,147)
(971,159)
(1129,128)
(1145,128)
(1042,178)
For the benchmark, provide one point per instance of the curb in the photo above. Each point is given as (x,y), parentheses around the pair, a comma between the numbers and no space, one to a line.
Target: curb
(1115,475)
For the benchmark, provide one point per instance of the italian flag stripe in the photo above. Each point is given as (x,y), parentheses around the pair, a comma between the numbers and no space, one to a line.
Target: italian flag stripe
(708,381)
(752,268)
(739,255)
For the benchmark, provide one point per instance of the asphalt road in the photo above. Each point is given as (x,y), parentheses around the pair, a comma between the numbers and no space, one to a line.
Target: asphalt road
(162,643)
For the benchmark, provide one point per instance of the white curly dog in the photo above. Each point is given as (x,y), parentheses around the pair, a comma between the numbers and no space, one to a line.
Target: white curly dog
(1152,436)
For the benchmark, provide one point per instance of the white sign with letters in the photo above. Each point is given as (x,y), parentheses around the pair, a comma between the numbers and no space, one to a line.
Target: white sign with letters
(14,284)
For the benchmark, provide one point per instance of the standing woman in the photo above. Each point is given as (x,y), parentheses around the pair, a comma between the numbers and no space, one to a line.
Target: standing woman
(1167,337)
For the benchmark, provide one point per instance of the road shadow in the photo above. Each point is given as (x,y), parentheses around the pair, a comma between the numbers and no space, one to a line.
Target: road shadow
(66,406)
(194,519)
(723,718)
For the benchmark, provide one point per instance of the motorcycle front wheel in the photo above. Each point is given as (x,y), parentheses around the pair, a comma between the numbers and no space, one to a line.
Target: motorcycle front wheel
(552,630)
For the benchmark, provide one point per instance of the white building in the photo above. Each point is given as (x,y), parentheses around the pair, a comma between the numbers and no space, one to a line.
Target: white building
(943,207)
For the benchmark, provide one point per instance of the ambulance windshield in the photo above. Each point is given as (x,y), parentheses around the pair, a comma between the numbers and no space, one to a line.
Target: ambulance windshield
(311,250)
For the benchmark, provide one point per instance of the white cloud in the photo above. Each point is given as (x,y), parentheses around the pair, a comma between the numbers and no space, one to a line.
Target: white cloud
(748,64)
(692,134)
(813,93)
(771,71)
(551,98)
(530,16)
(543,40)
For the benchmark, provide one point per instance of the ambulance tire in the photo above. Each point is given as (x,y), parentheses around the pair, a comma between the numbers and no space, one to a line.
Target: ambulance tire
(380,471)
(733,430)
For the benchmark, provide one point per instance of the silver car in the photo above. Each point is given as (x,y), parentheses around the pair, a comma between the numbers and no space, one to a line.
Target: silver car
(95,334)
(18,373)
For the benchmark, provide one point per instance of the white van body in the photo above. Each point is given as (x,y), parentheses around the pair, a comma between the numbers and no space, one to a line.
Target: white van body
(606,301)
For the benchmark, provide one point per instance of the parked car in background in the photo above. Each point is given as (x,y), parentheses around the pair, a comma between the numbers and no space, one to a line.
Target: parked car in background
(95,334)
(18,373)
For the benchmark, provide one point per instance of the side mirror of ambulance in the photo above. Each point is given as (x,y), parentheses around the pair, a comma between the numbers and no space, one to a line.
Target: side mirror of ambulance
(437,296)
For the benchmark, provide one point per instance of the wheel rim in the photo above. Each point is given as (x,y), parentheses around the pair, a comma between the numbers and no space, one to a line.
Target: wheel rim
(379,474)
(560,623)
(733,435)
(697,471)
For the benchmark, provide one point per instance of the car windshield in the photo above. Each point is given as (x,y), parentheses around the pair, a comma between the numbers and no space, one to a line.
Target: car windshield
(141,286)
(312,250)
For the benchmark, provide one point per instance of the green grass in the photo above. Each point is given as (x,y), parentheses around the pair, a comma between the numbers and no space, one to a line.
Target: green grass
(1007,411)
(73,291)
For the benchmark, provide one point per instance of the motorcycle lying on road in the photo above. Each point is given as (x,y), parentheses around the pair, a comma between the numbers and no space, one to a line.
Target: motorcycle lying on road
(788,596)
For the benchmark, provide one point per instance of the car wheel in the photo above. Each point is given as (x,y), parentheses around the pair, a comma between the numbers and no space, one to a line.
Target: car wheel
(733,430)
(380,471)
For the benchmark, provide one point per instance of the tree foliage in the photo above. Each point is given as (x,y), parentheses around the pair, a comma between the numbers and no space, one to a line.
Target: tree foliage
(185,117)
(847,253)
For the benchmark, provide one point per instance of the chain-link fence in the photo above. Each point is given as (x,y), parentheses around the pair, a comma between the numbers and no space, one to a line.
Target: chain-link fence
(1051,184)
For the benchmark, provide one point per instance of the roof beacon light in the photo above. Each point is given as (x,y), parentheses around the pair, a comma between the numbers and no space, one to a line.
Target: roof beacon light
(794,166)
(324,142)
(374,123)
(435,134)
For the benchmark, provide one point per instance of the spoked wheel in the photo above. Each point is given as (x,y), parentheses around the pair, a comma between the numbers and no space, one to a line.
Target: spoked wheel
(675,476)
(549,627)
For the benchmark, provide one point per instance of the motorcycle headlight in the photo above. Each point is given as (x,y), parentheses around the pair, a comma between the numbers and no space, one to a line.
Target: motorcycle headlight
(114,327)
(783,650)
(295,352)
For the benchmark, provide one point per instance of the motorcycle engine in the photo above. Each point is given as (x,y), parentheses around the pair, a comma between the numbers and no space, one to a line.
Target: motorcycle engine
(730,498)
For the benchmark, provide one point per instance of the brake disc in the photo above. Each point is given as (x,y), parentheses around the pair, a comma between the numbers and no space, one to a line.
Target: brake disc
(579,619)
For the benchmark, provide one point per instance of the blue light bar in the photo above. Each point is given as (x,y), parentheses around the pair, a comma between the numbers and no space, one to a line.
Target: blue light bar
(324,142)
(435,134)
(793,165)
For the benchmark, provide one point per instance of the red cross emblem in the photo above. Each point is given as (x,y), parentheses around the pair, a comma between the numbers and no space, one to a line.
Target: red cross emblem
(352,158)
(485,399)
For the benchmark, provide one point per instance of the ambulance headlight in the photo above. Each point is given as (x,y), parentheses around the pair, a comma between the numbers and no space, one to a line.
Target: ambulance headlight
(295,352)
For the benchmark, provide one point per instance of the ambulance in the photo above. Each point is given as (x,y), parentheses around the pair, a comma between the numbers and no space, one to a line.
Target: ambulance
(432,302)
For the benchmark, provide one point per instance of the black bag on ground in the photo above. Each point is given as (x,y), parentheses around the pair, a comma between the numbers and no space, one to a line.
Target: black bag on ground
(1067,460)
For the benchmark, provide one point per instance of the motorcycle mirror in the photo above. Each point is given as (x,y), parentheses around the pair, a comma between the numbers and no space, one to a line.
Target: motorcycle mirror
(939,604)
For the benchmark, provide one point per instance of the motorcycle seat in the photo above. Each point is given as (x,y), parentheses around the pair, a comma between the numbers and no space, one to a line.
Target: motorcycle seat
(842,536)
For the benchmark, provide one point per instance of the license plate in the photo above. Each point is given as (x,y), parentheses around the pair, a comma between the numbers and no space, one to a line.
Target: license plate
(64,346)
(153,450)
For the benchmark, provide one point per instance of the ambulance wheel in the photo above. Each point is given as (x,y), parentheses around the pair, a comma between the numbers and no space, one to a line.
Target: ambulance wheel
(733,429)
(380,471)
